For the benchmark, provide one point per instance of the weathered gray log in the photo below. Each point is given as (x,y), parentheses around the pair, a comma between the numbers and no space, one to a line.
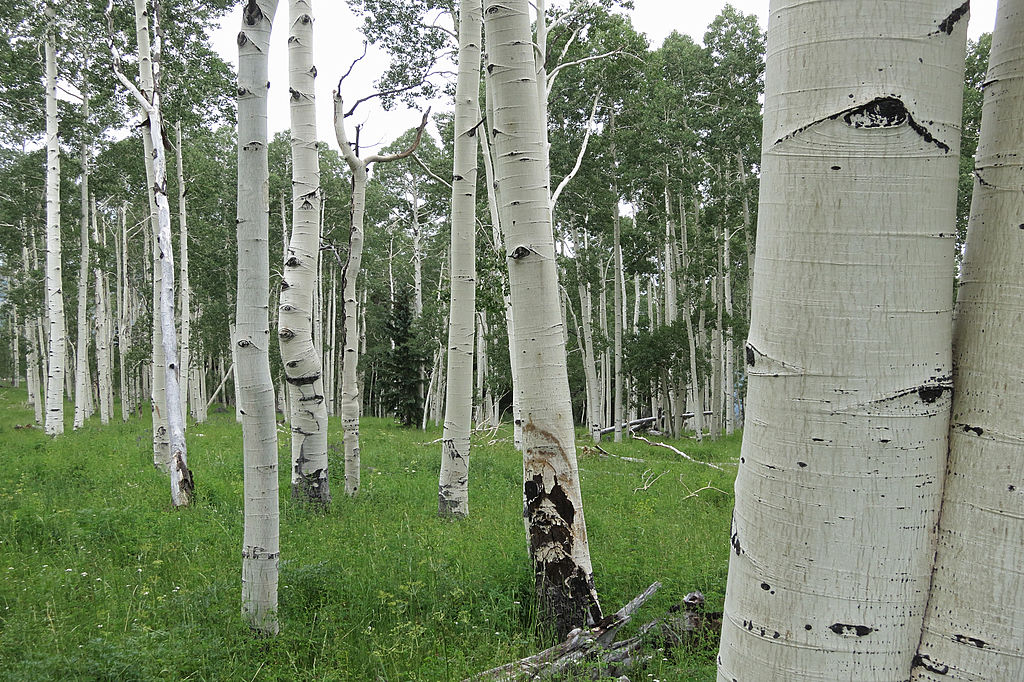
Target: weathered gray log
(595,643)
(678,452)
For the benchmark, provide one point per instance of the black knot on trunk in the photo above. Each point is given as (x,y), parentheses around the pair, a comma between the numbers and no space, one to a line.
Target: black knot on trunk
(520,252)
(252,14)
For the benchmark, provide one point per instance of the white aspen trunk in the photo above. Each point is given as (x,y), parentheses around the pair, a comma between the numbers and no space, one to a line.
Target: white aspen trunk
(844,450)
(499,244)
(691,338)
(57,348)
(748,234)
(553,509)
(15,348)
(453,481)
(83,394)
(478,409)
(606,367)
(182,486)
(730,351)
(975,617)
(330,385)
(618,302)
(123,314)
(299,349)
(158,391)
(261,542)
(35,392)
(716,345)
(589,370)
(233,341)
(417,245)
(103,363)
(185,289)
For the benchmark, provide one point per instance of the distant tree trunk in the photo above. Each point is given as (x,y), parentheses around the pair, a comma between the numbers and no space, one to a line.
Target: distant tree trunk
(845,447)
(185,288)
(619,299)
(553,509)
(103,336)
(730,351)
(302,360)
(691,338)
(57,350)
(123,314)
(453,483)
(83,375)
(35,392)
(975,615)
(261,542)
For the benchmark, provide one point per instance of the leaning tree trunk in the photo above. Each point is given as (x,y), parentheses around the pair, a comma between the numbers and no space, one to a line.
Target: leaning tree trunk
(453,485)
(302,361)
(974,624)
(261,542)
(57,348)
(553,508)
(844,450)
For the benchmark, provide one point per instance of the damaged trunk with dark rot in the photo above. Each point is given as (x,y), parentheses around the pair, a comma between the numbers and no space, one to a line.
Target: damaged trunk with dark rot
(552,502)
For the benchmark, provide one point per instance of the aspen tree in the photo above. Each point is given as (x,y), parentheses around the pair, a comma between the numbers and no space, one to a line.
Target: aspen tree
(553,508)
(261,542)
(350,394)
(848,356)
(83,392)
(184,287)
(57,340)
(453,485)
(974,624)
(103,324)
(182,485)
(302,359)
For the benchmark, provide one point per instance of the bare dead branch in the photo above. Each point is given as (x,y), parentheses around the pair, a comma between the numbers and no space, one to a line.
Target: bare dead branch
(352,66)
(376,158)
(678,452)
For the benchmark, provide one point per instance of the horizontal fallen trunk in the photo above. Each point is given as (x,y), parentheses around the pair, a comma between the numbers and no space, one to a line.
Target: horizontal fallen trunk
(647,420)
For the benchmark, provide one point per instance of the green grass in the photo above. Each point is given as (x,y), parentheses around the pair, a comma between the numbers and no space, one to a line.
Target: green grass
(104,580)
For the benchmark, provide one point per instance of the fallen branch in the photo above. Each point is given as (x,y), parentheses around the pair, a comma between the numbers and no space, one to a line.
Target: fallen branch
(588,450)
(699,490)
(648,480)
(678,452)
(586,644)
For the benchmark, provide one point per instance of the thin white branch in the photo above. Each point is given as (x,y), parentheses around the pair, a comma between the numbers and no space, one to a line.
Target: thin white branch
(576,62)
(678,452)
(579,158)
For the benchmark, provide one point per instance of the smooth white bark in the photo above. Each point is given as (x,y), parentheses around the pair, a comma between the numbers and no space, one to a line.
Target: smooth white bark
(185,288)
(57,348)
(453,481)
(103,326)
(298,318)
(261,541)
(83,383)
(553,510)
(974,625)
(849,349)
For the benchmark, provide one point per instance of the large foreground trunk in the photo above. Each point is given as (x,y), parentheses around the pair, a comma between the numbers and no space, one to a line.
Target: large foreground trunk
(850,366)
(974,625)
(553,508)
(261,541)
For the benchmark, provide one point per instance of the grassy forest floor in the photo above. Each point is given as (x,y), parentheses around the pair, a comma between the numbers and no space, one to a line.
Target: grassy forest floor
(103,580)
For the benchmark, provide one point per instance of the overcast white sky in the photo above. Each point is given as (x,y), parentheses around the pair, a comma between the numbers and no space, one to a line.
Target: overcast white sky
(337,41)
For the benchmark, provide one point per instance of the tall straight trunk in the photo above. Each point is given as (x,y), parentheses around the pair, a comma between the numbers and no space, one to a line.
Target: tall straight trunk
(748,235)
(123,314)
(619,300)
(975,615)
(553,508)
(844,452)
(730,351)
(691,338)
(32,376)
(301,356)
(181,477)
(83,394)
(103,360)
(261,541)
(716,343)
(589,370)
(57,348)
(499,244)
(158,390)
(185,288)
